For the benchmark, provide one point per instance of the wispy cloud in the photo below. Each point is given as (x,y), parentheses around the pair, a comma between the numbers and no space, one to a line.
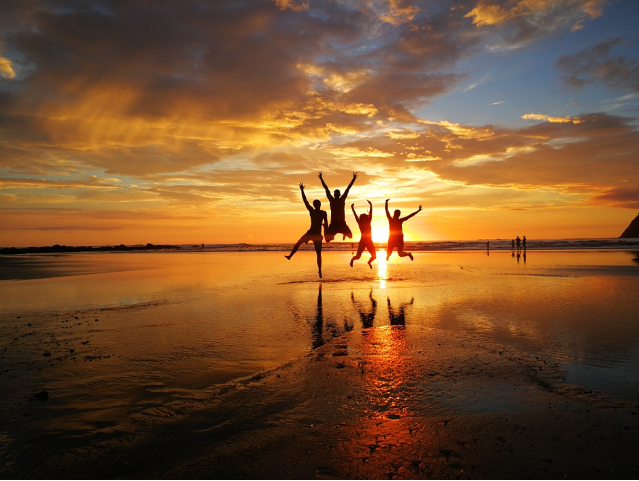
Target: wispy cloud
(596,65)
(547,118)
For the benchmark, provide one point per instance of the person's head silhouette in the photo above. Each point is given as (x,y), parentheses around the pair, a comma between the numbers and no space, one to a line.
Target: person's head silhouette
(317,204)
(397,213)
(363,217)
(336,193)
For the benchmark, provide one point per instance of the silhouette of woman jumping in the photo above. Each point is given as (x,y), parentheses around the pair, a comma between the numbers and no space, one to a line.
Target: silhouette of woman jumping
(338,215)
(366,241)
(318,218)
(396,234)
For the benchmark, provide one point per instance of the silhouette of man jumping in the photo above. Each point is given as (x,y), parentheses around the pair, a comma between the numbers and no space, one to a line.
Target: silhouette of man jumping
(338,215)
(396,233)
(366,241)
(314,233)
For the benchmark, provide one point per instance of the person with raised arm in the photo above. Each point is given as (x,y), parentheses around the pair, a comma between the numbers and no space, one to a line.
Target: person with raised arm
(366,240)
(314,233)
(396,232)
(338,214)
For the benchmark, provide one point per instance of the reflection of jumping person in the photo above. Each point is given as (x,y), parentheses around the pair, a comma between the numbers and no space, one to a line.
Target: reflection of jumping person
(318,218)
(366,241)
(396,234)
(338,216)
(367,317)
(400,318)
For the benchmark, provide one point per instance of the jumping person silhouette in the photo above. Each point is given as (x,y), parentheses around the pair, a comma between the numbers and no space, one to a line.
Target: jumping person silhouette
(366,241)
(314,233)
(338,216)
(396,233)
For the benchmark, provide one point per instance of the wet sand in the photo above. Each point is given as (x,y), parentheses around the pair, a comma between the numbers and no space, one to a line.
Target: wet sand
(244,366)
(385,402)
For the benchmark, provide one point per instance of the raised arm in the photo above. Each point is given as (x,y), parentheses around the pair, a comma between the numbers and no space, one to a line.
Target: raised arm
(308,206)
(328,192)
(355,213)
(411,215)
(388,216)
(350,185)
(370,209)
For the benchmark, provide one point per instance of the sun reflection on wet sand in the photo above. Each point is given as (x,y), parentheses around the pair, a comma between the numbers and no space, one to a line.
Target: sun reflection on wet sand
(382,273)
(387,374)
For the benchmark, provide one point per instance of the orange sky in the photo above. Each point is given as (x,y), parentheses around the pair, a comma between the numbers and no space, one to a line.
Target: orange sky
(194,123)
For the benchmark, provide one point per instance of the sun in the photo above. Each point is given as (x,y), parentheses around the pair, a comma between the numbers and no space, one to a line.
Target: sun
(379,233)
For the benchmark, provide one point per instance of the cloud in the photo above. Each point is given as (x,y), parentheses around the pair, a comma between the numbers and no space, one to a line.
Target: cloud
(523,21)
(555,120)
(497,103)
(596,65)
(619,197)
(6,70)
(292,5)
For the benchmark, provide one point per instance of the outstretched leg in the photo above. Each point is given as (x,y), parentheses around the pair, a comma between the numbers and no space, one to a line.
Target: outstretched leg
(360,249)
(404,254)
(371,249)
(329,235)
(347,233)
(400,250)
(389,249)
(295,247)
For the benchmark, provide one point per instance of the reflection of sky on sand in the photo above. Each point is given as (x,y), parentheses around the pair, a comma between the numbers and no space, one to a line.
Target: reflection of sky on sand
(216,316)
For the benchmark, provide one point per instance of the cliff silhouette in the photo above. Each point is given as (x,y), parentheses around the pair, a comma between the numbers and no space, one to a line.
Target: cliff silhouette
(632,231)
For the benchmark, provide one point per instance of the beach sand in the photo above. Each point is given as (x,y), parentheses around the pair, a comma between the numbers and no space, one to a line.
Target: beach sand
(245,366)
(385,402)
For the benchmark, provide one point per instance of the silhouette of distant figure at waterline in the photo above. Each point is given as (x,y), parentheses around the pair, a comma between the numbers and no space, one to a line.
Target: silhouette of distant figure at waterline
(338,214)
(523,242)
(396,232)
(314,234)
(366,241)
(398,319)
(367,317)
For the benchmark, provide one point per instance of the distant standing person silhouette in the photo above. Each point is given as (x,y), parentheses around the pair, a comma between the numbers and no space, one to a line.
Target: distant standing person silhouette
(518,243)
(338,214)
(523,241)
(396,232)
(366,241)
(318,218)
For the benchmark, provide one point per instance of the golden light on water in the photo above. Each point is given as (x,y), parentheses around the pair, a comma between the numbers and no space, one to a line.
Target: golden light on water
(382,274)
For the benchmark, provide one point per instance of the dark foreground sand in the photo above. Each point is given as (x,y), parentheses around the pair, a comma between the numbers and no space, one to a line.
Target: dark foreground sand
(388,402)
